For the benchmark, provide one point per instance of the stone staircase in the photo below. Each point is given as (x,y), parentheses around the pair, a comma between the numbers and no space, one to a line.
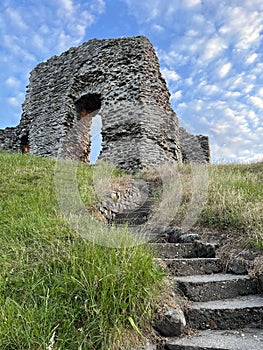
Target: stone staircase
(224,310)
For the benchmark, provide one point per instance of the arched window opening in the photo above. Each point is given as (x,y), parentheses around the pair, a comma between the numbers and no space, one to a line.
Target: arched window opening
(89,129)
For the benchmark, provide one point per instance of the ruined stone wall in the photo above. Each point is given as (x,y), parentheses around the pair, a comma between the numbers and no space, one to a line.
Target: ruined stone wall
(118,78)
(194,148)
(8,139)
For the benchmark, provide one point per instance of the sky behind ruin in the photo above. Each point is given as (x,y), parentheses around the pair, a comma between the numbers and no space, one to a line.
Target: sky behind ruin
(210,54)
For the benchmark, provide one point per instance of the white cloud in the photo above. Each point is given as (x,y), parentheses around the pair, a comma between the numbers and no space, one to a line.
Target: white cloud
(38,41)
(189,81)
(191,3)
(177,95)
(148,11)
(238,81)
(158,27)
(242,26)
(68,6)
(213,48)
(258,70)
(232,94)
(44,29)
(16,18)
(224,70)
(16,101)
(252,58)
(98,6)
(256,101)
(192,33)
(248,88)
(172,58)
(232,130)
(253,117)
(208,89)
(16,48)
(221,128)
(170,75)
(34,32)
(13,82)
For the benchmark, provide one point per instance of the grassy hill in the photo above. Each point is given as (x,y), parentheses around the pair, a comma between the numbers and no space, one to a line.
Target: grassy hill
(58,291)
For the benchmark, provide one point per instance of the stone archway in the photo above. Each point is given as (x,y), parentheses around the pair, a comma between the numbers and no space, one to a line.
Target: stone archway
(87,107)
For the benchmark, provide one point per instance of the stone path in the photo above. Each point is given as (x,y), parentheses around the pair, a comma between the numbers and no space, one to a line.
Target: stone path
(225,310)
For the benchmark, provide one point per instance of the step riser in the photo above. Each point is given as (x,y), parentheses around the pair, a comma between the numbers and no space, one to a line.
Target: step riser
(187,347)
(173,251)
(217,290)
(188,267)
(184,250)
(225,319)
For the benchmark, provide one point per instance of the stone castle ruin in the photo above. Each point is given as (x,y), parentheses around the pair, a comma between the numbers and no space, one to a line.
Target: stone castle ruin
(120,80)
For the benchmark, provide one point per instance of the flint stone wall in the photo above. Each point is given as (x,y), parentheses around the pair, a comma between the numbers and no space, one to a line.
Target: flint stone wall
(194,148)
(121,80)
(8,139)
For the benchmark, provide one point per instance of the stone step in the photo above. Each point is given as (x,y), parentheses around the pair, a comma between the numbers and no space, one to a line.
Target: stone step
(184,250)
(193,266)
(246,339)
(216,286)
(233,313)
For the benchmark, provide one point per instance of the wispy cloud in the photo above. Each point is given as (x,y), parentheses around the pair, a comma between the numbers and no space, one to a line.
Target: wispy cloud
(217,54)
(32,31)
(224,70)
(16,101)
(213,48)
(68,6)
(13,82)
(256,101)
(170,75)
(176,95)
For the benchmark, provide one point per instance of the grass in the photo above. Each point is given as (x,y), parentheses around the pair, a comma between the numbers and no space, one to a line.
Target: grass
(58,291)
(234,200)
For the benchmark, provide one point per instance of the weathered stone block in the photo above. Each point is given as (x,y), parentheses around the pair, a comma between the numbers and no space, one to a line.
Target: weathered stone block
(171,323)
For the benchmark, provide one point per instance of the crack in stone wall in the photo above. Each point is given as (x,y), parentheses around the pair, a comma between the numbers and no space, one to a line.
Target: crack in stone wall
(139,126)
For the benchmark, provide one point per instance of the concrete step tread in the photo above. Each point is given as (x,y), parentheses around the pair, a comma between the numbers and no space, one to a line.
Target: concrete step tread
(218,277)
(167,244)
(172,245)
(240,302)
(187,260)
(246,339)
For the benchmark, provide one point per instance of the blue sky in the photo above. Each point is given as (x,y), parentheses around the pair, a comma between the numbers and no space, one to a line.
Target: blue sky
(210,51)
